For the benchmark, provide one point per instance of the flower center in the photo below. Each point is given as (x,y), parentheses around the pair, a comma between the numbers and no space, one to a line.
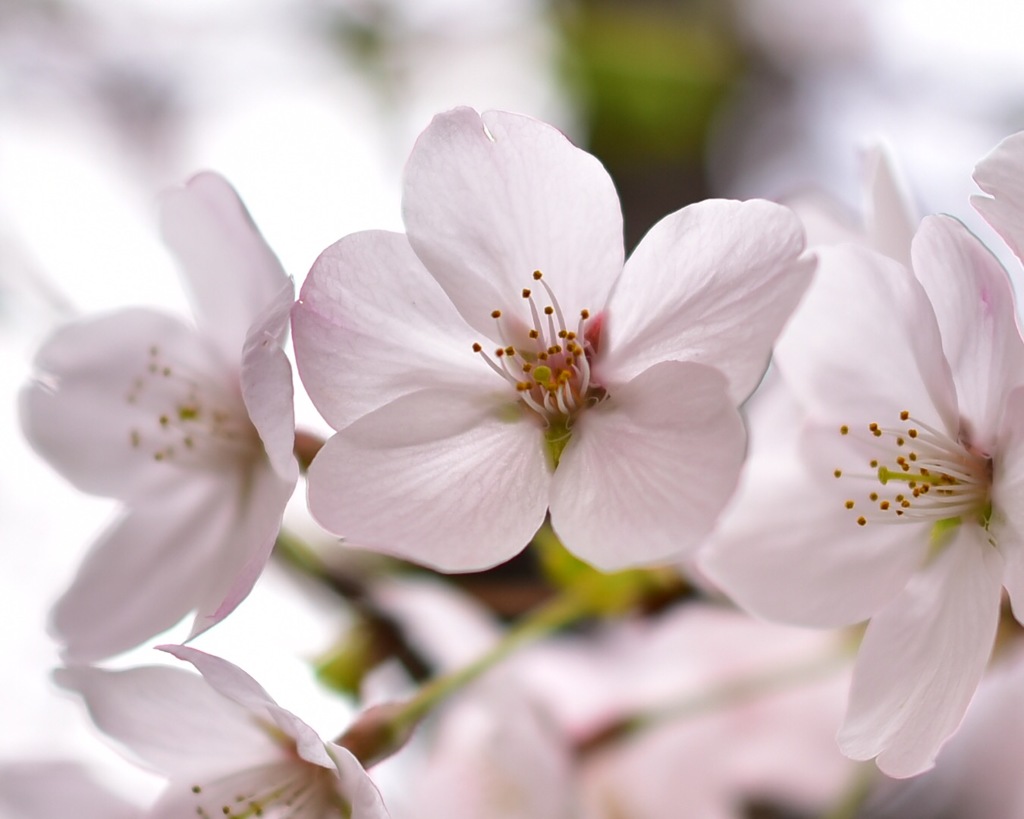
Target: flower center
(919,474)
(293,788)
(548,364)
(196,420)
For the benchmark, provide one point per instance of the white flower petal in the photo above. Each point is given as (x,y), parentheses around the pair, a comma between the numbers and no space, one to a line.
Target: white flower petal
(974,305)
(147,571)
(922,657)
(227,679)
(864,344)
(788,550)
(230,272)
(94,408)
(371,325)
(448,478)
(355,786)
(711,283)
(171,720)
(1001,175)
(266,379)
(231,682)
(491,198)
(235,565)
(890,221)
(1008,499)
(647,471)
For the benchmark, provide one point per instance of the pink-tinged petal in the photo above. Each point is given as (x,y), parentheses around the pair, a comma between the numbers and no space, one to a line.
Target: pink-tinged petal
(231,682)
(447,478)
(236,565)
(889,219)
(1008,499)
(923,655)
(712,283)
(170,720)
(227,679)
(94,407)
(864,345)
(647,471)
(1001,175)
(230,272)
(787,548)
(147,571)
(266,380)
(372,325)
(491,198)
(44,790)
(974,306)
(355,786)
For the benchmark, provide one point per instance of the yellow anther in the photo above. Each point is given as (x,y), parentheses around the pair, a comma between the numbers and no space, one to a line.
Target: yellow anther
(495,314)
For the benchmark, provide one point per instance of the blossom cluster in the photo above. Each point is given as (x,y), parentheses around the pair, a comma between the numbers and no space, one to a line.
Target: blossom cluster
(502,375)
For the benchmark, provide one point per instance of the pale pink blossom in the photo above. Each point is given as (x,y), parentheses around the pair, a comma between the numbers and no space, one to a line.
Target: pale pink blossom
(745,712)
(228,749)
(189,425)
(499,360)
(906,506)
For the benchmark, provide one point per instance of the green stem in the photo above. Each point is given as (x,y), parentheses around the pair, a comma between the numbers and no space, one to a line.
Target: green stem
(384,729)
(548,618)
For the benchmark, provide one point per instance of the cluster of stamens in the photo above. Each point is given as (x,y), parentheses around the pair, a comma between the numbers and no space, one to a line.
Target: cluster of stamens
(919,473)
(195,421)
(302,788)
(550,368)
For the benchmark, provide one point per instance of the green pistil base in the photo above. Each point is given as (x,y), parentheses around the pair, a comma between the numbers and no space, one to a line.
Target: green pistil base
(556,437)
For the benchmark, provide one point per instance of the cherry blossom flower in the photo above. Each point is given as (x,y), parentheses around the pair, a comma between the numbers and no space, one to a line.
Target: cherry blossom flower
(191,427)
(499,360)
(228,749)
(906,506)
